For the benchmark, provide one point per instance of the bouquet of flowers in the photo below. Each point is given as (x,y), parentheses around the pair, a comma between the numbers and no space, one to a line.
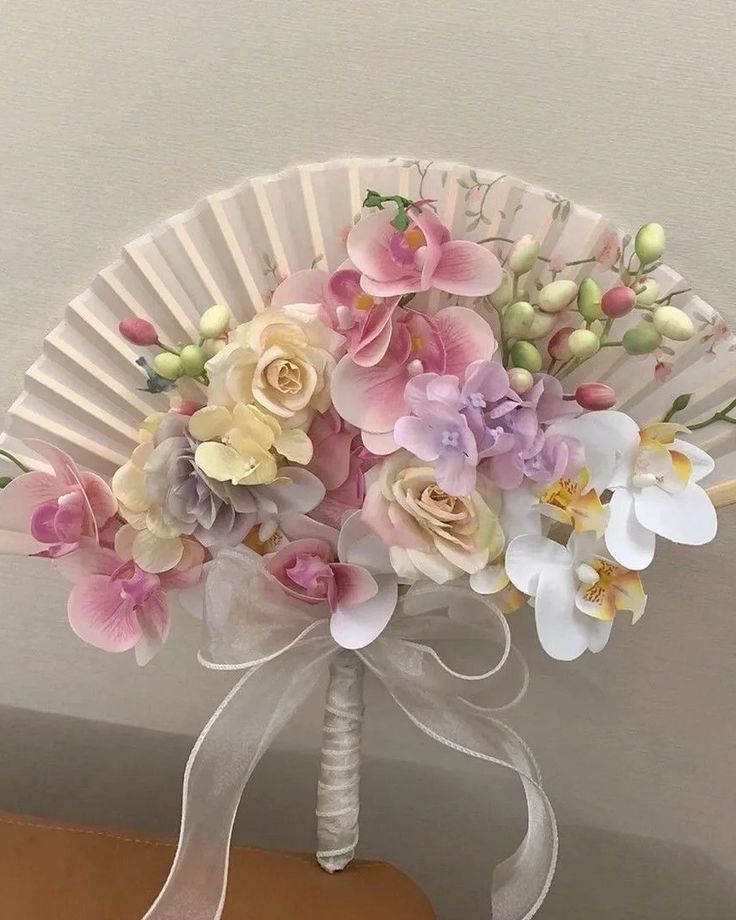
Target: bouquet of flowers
(359,442)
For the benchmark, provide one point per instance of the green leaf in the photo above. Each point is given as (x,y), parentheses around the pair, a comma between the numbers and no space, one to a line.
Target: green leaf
(556,211)
(5,480)
(473,224)
(474,176)
(471,213)
(463,184)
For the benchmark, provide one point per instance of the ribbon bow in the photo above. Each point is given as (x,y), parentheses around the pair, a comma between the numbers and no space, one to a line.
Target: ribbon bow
(282,648)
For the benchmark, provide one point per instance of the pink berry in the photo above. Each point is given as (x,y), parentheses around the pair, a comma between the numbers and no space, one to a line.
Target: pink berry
(138,331)
(557,346)
(595,396)
(618,301)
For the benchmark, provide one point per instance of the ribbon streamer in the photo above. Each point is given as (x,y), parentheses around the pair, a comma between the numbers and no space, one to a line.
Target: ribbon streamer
(282,648)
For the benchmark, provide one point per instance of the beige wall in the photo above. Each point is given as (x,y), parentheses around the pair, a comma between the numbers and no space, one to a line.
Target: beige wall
(115,114)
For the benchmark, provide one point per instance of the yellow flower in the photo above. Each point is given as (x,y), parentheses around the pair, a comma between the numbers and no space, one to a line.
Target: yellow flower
(568,502)
(237,446)
(154,545)
(282,360)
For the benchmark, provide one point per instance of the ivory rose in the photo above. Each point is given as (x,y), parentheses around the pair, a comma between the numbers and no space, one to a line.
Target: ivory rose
(282,360)
(430,533)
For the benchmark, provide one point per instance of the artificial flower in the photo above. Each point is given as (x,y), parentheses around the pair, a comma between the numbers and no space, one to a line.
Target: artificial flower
(116,605)
(339,461)
(364,320)
(157,546)
(570,501)
(282,360)
(393,262)
(430,533)
(237,445)
(577,592)
(372,398)
(48,513)
(654,478)
(350,571)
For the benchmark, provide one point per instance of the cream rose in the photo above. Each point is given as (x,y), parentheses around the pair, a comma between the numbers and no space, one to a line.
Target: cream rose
(282,360)
(430,533)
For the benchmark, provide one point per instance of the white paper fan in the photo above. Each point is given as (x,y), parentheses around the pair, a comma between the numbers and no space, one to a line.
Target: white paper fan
(84,391)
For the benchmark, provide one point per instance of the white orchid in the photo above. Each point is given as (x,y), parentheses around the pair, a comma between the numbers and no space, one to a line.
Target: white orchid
(576,592)
(654,478)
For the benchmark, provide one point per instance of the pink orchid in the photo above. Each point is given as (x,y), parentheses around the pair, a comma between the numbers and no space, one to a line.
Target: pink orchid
(339,461)
(307,569)
(116,606)
(372,398)
(349,571)
(48,514)
(365,321)
(423,256)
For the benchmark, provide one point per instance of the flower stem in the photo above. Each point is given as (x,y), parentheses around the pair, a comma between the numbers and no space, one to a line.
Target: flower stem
(721,416)
(15,460)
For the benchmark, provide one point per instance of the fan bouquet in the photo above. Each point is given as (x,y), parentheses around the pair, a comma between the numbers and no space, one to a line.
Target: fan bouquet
(406,446)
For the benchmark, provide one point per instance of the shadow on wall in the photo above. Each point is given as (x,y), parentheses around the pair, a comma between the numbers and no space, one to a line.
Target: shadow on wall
(445,828)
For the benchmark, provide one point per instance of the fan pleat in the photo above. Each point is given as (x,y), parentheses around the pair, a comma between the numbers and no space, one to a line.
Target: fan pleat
(86,393)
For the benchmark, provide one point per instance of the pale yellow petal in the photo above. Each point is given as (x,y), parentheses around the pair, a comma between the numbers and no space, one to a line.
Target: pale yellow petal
(294,445)
(220,461)
(210,423)
(129,488)
(155,555)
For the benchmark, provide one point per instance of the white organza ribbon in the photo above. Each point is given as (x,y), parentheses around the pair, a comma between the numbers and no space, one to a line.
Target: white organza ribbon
(283,648)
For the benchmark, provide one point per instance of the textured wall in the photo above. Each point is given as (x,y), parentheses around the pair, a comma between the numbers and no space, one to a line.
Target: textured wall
(117,113)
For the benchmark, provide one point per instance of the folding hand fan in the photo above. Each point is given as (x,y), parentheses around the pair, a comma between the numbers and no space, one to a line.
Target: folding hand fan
(85,392)
(387,401)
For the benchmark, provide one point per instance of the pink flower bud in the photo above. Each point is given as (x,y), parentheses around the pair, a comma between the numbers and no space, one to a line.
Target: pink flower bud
(618,301)
(187,407)
(595,396)
(557,345)
(138,331)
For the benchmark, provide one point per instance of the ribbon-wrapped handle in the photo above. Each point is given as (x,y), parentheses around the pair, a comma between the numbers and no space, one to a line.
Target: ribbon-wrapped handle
(338,790)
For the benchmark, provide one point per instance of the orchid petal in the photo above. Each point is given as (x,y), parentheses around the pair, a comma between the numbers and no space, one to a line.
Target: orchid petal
(703,464)
(99,615)
(310,285)
(467,269)
(371,398)
(354,584)
(610,440)
(467,337)
(529,555)
(18,500)
(560,631)
(154,622)
(357,626)
(367,246)
(686,517)
(630,543)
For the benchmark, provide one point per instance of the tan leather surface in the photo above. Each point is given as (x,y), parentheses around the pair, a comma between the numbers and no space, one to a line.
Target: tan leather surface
(49,872)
